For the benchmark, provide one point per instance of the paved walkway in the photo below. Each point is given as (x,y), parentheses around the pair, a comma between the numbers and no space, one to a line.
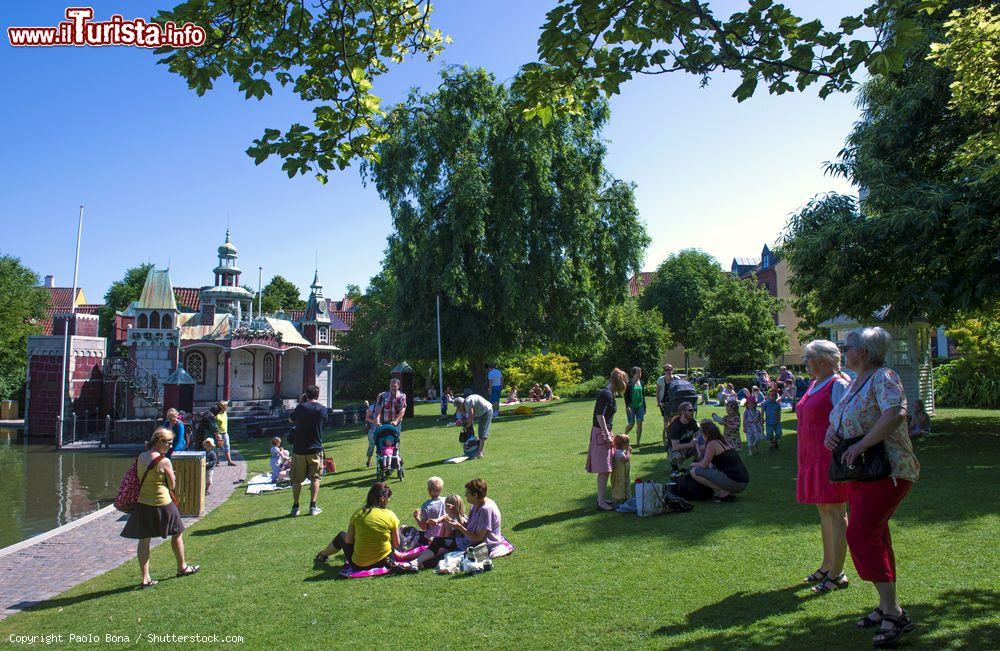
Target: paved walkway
(55,564)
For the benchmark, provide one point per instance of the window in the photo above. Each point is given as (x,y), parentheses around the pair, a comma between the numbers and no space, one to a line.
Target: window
(196,366)
(901,351)
(154,321)
(167,322)
(143,321)
(323,335)
(268,368)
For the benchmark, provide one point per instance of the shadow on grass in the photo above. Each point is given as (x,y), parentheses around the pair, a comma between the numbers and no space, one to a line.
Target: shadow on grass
(731,622)
(238,525)
(554,518)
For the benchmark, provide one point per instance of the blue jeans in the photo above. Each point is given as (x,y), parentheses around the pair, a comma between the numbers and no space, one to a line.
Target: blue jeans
(773,431)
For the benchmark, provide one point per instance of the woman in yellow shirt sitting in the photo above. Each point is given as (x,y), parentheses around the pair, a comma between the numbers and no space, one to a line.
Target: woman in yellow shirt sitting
(371,535)
(155,513)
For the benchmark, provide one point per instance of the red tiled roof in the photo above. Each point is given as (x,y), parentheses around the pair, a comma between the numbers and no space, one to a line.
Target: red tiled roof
(639,281)
(294,315)
(61,297)
(338,320)
(187,298)
(347,316)
(50,313)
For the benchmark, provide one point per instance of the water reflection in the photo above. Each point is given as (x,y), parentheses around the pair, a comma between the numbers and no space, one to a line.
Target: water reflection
(41,489)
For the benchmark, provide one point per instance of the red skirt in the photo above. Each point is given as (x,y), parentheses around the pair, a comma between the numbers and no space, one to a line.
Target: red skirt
(600,455)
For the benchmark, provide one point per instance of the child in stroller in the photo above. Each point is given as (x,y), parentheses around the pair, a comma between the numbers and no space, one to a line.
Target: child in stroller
(387,453)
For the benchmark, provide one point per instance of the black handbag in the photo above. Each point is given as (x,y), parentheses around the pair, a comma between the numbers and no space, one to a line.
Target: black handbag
(871,465)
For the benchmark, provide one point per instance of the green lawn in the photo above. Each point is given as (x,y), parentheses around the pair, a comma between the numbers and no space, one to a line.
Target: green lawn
(724,574)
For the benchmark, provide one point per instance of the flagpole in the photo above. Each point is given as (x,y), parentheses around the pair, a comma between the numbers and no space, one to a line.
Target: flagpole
(440,368)
(72,311)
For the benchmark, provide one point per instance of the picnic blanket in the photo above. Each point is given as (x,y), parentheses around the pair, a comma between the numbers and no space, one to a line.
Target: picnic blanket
(456,459)
(262,484)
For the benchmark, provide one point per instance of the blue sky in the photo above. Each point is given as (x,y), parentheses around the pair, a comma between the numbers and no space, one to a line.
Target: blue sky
(159,169)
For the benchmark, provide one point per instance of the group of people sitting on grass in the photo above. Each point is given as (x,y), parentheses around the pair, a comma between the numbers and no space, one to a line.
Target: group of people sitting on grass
(537,393)
(375,538)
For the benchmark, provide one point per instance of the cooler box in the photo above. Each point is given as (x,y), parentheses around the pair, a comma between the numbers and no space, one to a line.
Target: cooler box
(189,467)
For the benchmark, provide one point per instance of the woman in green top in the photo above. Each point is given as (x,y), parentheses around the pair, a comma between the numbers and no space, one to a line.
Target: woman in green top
(635,405)
(371,536)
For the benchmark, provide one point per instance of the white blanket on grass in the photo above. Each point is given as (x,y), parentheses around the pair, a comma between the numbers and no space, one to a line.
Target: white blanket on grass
(262,484)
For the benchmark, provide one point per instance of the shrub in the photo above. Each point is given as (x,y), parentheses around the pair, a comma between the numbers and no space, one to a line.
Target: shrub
(586,389)
(955,385)
(741,381)
(551,368)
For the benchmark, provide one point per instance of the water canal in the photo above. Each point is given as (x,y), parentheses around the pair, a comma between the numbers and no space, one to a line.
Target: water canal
(41,488)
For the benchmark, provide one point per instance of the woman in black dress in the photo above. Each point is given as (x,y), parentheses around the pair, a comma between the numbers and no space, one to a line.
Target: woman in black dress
(721,468)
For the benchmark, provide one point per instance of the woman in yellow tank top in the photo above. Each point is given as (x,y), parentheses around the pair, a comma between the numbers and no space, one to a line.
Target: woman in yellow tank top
(155,513)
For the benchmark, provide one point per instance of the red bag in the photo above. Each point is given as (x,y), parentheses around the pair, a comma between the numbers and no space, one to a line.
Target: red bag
(128,490)
(329,465)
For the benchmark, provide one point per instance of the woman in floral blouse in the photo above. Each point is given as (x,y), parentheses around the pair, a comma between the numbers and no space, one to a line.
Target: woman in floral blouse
(874,407)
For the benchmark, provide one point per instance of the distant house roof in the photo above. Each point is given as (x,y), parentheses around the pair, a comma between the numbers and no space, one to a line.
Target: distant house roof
(157,293)
(346,304)
(742,266)
(638,282)
(60,297)
(188,298)
(337,323)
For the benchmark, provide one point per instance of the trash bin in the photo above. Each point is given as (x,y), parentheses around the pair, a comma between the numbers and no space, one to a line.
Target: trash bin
(189,468)
(8,410)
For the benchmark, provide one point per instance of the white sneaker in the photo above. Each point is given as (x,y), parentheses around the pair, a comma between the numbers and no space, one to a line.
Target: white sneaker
(315,510)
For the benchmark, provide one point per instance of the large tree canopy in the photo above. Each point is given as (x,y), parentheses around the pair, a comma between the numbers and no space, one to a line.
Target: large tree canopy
(331,53)
(736,328)
(280,294)
(682,285)
(926,236)
(516,224)
(22,304)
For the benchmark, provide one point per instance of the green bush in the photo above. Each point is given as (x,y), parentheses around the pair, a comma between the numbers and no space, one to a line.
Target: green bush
(551,368)
(955,385)
(741,381)
(586,389)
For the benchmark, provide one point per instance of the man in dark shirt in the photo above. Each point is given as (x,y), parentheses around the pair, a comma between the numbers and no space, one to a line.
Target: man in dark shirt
(680,435)
(307,447)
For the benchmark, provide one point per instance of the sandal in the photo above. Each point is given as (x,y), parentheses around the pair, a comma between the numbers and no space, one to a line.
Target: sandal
(868,621)
(831,583)
(189,570)
(816,576)
(601,508)
(889,637)
(143,586)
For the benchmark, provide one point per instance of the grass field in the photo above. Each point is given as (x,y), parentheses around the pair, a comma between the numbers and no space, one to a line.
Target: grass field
(723,575)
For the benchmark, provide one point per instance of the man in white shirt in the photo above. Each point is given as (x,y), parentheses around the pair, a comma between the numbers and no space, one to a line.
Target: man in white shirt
(476,408)
(662,392)
(495,379)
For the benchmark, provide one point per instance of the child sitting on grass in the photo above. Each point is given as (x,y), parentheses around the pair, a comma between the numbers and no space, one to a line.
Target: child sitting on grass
(920,422)
(621,484)
(211,461)
(730,423)
(431,514)
(280,464)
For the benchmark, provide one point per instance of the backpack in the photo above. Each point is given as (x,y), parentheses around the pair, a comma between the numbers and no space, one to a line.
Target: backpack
(128,490)
(679,391)
(688,488)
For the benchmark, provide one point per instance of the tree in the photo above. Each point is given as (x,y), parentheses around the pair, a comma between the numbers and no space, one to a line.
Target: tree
(22,304)
(736,328)
(682,285)
(280,294)
(528,236)
(636,337)
(121,294)
(925,237)
(332,52)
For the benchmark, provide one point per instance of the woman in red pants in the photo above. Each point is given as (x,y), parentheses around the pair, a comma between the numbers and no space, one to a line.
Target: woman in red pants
(875,407)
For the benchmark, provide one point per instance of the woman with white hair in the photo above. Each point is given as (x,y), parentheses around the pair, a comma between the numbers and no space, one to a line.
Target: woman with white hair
(874,409)
(813,486)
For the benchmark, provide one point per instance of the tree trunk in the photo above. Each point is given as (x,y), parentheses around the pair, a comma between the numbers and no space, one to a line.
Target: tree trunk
(479,383)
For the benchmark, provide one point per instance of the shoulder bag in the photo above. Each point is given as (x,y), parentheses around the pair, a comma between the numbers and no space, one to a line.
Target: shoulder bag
(871,465)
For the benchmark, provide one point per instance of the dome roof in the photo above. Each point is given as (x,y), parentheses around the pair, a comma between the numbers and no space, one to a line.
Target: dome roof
(228,249)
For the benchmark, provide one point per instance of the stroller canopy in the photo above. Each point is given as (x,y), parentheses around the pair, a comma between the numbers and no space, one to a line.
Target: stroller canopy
(386,434)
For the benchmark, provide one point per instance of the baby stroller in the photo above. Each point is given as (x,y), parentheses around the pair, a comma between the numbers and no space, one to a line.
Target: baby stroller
(387,453)
(470,444)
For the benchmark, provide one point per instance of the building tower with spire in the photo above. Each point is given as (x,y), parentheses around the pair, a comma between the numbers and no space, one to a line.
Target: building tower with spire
(316,320)
(226,297)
